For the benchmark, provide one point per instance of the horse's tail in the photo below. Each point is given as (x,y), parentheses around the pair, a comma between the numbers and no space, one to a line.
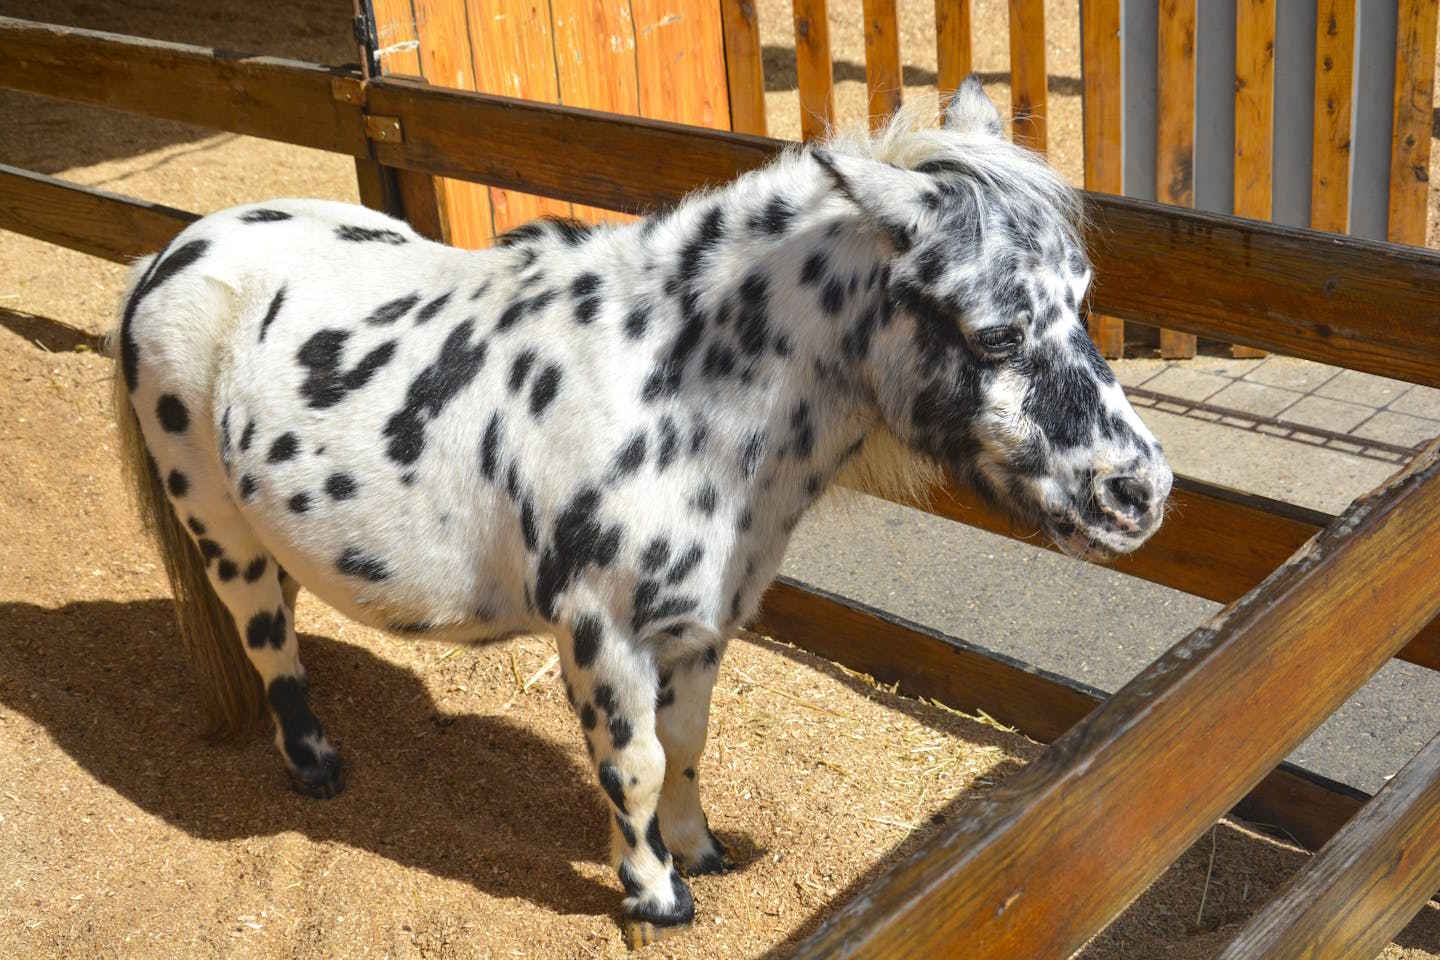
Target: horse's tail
(229,685)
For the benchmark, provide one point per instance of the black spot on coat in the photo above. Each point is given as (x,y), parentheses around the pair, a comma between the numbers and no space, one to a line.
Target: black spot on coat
(391,311)
(325,383)
(171,412)
(430,391)
(271,312)
(355,562)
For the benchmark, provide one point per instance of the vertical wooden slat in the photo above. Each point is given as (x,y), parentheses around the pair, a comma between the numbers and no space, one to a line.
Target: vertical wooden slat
(595,64)
(882,60)
(813,71)
(744,66)
(1334,70)
(680,62)
(1101,106)
(1175,128)
(1027,73)
(512,54)
(952,44)
(1254,115)
(429,203)
(1414,101)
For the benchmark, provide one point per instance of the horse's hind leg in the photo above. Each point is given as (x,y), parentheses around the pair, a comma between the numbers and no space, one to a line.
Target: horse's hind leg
(260,598)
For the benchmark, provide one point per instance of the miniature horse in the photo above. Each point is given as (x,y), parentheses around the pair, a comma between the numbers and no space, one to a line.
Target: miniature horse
(609,433)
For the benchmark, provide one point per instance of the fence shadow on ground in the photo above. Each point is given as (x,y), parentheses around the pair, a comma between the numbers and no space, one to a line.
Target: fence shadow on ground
(50,335)
(478,799)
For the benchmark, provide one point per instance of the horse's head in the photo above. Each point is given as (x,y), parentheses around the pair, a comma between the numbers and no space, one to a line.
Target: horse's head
(984,363)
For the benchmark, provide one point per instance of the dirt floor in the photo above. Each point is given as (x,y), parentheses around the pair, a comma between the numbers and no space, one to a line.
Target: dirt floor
(471,825)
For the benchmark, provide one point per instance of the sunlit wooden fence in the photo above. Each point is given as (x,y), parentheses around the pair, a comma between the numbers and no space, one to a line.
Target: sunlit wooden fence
(1315,603)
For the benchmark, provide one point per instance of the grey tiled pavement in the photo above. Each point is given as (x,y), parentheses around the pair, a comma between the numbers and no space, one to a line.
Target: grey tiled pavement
(1101,627)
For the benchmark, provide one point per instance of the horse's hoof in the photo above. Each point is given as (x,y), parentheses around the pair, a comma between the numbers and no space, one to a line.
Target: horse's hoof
(716,861)
(322,781)
(647,921)
(642,933)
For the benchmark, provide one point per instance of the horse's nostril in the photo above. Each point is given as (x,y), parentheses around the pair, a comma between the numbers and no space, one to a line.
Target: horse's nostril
(1129,494)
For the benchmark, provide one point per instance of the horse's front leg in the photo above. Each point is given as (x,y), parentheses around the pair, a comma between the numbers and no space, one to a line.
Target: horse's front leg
(682,718)
(613,685)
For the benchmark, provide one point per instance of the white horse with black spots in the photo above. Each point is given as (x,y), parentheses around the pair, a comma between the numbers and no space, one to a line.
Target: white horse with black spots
(610,433)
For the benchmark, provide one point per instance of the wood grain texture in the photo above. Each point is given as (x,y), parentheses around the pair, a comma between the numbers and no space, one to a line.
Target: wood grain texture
(1028,110)
(1334,80)
(93,221)
(507,48)
(680,62)
(595,64)
(1254,117)
(1015,876)
(1414,103)
(813,70)
(424,201)
(882,60)
(953,50)
(1290,802)
(1175,128)
(1102,119)
(744,66)
(1368,882)
(268,97)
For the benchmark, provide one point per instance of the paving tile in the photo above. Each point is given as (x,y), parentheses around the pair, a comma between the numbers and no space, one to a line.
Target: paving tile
(1231,367)
(1398,428)
(1133,372)
(1180,381)
(1419,402)
(1256,398)
(1327,414)
(1292,374)
(1363,388)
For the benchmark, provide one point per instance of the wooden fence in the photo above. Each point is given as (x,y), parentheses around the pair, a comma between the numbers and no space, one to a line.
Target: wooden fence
(1208,722)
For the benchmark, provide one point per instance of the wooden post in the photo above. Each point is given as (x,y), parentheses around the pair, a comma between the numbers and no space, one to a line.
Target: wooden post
(1334,73)
(813,71)
(1104,154)
(1175,128)
(952,45)
(1254,116)
(1414,102)
(883,81)
(1027,73)
(744,66)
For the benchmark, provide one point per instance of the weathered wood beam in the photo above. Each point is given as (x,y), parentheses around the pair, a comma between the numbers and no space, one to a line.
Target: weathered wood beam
(1139,779)
(1290,802)
(92,221)
(1363,886)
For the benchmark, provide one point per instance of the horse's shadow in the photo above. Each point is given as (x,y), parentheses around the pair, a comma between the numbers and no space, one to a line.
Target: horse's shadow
(474,798)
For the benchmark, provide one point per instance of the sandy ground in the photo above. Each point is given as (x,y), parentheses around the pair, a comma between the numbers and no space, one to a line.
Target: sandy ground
(471,826)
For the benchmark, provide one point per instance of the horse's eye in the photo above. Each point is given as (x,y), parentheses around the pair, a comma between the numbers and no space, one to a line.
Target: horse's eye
(999,339)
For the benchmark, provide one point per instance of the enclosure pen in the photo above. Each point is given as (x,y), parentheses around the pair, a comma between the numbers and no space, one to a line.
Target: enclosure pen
(1316,603)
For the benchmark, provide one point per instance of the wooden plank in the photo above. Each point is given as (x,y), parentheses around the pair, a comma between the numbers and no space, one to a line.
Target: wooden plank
(883,81)
(744,66)
(1175,128)
(511,52)
(1014,876)
(1367,883)
(267,97)
(93,221)
(1290,802)
(1334,74)
(1028,112)
(680,62)
(813,71)
(953,50)
(1102,125)
(595,64)
(1254,116)
(419,197)
(1414,103)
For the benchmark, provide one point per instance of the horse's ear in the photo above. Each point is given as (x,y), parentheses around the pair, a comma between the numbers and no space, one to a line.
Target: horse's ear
(971,111)
(890,197)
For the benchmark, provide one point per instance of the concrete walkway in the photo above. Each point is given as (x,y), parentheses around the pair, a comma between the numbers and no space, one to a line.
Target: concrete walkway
(1339,434)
